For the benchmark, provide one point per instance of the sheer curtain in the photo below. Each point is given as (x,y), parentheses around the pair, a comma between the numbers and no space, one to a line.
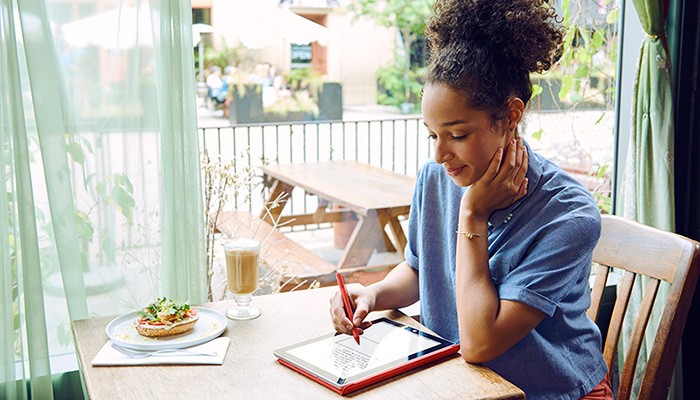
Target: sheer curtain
(102,206)
(648,193)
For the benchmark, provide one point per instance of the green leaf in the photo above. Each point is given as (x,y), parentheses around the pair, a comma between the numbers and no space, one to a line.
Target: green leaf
(598,38)
(569,39)
(583,34)
(88,179)
(75,150)
(601,171)
(567,82)
(537,135)
(101,189)
(613,16)
(581,72)
(87,145)
(536,90)
(84,226)
(566,7)
(124,181)
(122,201)
(584,56)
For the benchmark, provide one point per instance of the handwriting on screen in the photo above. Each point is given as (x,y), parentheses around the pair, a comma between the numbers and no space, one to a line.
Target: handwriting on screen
(380,344)
(345,358)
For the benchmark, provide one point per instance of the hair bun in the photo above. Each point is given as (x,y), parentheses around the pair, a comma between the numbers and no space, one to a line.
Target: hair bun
(524,35)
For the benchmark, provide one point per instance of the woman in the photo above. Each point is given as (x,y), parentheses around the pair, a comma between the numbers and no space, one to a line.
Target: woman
(499,239)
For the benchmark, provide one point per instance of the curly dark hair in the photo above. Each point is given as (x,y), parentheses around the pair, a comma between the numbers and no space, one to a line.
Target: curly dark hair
(488,48)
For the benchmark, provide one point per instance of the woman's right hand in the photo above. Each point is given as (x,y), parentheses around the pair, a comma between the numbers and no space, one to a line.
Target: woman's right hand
(362,300)
(504,182)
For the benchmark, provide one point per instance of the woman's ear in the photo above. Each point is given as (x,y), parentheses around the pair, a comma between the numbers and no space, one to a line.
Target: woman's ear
(516,108)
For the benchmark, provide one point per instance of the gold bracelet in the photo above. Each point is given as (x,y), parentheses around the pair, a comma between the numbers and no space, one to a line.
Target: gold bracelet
(470,235)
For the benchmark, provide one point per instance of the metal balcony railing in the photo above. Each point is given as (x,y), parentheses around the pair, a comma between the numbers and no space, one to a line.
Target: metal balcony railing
(399,145)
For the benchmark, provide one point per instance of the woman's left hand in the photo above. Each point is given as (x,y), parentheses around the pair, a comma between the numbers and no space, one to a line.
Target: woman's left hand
(502,184)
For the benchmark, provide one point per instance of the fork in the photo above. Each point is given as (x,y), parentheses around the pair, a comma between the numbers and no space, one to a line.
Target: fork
(162,352)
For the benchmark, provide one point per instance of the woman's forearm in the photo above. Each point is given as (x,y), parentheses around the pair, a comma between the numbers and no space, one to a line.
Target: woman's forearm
(476,296)
(398,289)
(488,326)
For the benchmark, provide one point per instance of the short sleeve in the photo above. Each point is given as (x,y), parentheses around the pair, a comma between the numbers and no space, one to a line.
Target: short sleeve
(414,226)
(558,259)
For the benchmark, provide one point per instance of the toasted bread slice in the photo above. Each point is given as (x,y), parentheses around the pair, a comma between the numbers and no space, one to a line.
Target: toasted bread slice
(166,330)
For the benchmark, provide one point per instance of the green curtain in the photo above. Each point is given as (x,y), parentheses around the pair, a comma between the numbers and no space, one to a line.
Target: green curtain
(102,206)
(183,266)
(651,198)
(648,192)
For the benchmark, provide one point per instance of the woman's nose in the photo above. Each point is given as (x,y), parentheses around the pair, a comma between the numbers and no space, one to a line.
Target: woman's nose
(442,153)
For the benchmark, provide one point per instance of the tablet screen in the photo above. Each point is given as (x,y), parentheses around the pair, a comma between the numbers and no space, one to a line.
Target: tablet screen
(339,360)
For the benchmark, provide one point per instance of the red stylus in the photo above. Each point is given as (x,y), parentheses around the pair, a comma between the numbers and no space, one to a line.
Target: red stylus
(348,306)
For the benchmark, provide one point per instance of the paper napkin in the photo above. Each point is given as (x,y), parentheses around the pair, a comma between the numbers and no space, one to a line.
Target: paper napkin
(108,355)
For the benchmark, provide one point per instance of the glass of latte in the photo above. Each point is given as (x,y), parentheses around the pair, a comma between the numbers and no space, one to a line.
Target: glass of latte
(242,276)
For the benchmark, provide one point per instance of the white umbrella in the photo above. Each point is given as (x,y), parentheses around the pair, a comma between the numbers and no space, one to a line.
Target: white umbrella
(122,27)
(300,30)
(197,30)
(262,22)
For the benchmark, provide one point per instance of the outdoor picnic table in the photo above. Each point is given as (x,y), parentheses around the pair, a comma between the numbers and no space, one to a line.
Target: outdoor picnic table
(375,196)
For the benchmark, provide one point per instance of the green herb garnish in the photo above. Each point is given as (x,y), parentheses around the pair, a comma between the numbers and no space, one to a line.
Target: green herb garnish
(163,304)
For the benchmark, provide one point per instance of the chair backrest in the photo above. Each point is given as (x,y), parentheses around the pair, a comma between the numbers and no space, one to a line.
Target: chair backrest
(639,250)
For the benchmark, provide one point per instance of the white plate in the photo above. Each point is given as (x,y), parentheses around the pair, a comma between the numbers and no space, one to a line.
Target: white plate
(211,324)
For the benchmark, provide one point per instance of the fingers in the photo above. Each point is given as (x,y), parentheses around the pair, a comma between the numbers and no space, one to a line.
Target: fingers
(361,311)
(520,158)
(513,160)
(339,317)
(495,165)
(503,183)
(514,166)
(340,321)
(509,164)
(521,175)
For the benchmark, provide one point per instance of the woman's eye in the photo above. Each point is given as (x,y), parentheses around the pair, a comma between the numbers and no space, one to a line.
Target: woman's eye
(459,137)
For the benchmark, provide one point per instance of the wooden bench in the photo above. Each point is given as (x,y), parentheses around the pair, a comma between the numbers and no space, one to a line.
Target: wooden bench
(297,266)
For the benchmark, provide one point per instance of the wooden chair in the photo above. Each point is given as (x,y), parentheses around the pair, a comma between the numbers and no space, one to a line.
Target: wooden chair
(639,250)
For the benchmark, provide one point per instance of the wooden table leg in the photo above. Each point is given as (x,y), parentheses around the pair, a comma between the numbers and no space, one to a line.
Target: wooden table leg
(320,213)
(363,241)
(391,218)
(383,220)
(279,194)
(397,230)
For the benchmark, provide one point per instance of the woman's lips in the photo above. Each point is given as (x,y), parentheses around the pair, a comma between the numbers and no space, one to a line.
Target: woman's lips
(454,171)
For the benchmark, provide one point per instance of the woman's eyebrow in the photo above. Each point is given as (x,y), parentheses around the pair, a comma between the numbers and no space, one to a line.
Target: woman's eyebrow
(450,123)
(453,123)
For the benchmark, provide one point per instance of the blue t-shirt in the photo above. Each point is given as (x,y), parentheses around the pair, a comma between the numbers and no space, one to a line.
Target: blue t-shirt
(539,254)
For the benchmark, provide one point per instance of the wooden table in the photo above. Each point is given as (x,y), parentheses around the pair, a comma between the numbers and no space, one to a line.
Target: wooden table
(250,370)
(375,195)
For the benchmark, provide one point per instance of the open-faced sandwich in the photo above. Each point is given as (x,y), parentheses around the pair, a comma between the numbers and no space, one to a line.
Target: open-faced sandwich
(166,317)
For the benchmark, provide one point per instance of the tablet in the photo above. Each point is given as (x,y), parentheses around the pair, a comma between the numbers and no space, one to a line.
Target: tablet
(386,349)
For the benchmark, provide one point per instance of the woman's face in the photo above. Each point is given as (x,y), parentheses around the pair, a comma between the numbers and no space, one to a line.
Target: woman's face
(465,139)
